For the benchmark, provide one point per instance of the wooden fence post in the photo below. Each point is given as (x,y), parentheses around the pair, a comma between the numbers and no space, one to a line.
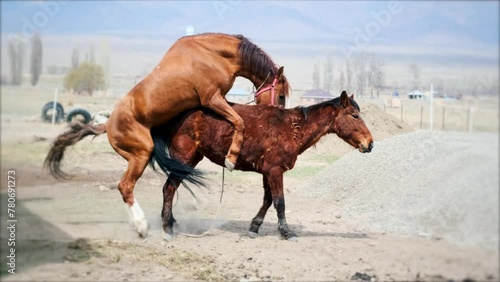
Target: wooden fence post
(421,115)
(444,110)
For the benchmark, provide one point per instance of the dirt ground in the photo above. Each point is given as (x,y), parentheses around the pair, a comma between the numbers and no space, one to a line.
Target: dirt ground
(77,230)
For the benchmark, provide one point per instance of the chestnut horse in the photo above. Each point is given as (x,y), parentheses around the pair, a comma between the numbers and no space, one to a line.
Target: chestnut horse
(273,139)
(196,71)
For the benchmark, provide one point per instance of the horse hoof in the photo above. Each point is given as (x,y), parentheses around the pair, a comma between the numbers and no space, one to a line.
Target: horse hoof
(143,231)
(229,165)
(167,237)
(252,234)
(141,227)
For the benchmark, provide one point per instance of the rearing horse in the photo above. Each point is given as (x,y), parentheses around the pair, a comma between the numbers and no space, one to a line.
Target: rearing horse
(196,71)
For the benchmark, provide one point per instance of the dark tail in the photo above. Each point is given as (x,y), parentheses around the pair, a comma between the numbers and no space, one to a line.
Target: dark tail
(76,132)
(171,167)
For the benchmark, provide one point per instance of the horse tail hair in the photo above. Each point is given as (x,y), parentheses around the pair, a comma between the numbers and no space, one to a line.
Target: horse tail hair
(170,166)
(76,132)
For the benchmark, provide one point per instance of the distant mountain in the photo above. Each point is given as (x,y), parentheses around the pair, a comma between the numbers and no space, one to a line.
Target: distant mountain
(453,34)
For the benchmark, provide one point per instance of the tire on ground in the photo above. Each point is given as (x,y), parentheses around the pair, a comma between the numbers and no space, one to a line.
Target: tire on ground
(47,112)
(82,115)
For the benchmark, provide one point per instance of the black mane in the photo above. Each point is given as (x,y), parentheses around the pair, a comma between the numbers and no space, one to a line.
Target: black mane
(334,102)
(254,59)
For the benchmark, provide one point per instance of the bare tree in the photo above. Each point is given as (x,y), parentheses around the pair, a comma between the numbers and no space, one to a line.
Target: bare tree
(359,62)
(106,60)
(13,61)
(328,75)
(90,58)
(36,58)
(342,80)
(75,58)
(349,74)
(415,72)
(316,76)
(375,76)
(16,54)
(379,80)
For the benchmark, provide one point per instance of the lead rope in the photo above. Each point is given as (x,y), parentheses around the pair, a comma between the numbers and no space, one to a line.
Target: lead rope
(216,214)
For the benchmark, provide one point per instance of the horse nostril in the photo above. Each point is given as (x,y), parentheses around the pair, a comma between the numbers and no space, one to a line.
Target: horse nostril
(371,145)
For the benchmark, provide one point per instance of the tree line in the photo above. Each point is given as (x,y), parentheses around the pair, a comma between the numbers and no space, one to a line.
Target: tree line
(360,73)
(17,51)
(81,77)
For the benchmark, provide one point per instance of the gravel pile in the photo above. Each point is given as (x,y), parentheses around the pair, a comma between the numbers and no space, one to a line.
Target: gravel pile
(439,184)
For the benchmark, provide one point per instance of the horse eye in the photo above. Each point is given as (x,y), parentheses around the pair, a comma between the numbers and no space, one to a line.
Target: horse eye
(355,116)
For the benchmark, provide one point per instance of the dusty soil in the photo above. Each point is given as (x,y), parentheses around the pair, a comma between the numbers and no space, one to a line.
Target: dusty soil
(77,230)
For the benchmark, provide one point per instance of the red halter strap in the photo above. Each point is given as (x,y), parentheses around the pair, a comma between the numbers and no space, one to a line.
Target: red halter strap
(270,87)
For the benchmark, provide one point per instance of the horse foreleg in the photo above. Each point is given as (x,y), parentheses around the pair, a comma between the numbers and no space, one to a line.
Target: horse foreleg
(276,184)
(259,218)
(221,107)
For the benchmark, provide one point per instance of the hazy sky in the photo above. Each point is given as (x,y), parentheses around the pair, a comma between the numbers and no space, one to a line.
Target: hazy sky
(459,34)
(477,20)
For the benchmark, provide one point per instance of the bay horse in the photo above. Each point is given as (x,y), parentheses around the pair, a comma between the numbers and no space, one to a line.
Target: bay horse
(272,141)
(197,70)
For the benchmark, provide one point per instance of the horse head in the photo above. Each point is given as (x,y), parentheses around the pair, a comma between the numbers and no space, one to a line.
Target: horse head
(274,91)
(350,126)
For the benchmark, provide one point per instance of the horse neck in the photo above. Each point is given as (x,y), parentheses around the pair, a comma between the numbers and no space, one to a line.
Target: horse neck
(316,121)
(255,79)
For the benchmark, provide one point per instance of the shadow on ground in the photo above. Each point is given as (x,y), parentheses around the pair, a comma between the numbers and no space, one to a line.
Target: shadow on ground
(37,242)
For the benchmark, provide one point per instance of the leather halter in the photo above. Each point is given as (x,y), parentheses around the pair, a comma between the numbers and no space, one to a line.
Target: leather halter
(270,87)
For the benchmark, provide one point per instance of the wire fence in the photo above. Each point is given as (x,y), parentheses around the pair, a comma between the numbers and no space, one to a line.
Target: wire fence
(468,116)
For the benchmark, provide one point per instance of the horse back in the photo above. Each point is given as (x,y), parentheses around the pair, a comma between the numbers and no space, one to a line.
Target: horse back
(267,140)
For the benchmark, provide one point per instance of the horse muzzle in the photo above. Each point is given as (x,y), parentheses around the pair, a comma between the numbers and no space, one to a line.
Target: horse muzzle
(366,149)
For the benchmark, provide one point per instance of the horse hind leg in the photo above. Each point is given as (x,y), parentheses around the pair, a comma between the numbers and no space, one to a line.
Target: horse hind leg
(136,148)
(190,157)
(167,216)
(126,187)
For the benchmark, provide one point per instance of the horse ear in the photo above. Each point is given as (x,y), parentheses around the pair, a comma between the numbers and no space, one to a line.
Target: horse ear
(280,72)
(352,96)
(344,99)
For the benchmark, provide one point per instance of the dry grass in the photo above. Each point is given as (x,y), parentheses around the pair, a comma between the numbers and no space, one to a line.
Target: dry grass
(191,265)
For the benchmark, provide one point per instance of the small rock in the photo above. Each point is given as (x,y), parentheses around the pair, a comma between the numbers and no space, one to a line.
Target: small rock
(103,188)
(361,276)
(338,216)
(424,234)
(264,274)
(37,138)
